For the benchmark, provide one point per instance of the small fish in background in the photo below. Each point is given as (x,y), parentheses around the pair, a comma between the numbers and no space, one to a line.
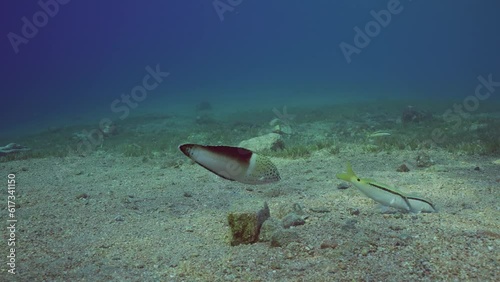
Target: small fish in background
(233,163)
(12,148)
(377,134)
(387,195)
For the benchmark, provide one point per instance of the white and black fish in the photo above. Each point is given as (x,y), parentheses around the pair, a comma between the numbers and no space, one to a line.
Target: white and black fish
(233,163)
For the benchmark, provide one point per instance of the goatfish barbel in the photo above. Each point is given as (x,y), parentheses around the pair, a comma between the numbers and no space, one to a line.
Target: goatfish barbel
(387,195)
(233,163)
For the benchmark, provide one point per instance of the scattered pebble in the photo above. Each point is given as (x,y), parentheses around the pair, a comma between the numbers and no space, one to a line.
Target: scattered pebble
(395,227)
(343,185)
(354,211)
(292,219)
(82,196)
(187,195)
(403,168)
(424,160)
(327,244)
(477,168)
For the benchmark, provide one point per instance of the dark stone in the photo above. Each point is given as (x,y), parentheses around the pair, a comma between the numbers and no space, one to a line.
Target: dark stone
(403,168)
(477,168)
(424,160)
(245,226)
(354,211)
(343,185)
(326,244)
(82,196)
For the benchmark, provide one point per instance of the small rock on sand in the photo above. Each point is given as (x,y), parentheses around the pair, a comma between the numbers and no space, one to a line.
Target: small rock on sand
(245,226)
(403,168)
(271,141)
(284,237)
(269,227)
(292,219)
(424,160)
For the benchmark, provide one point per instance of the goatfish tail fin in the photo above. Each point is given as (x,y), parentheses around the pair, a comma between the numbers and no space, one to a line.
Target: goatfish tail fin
(348,175)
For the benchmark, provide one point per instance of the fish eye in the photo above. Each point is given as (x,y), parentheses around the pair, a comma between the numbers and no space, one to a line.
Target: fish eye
(359,179)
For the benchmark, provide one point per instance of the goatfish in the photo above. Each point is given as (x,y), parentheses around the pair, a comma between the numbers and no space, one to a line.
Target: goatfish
(387,195)
(233,163)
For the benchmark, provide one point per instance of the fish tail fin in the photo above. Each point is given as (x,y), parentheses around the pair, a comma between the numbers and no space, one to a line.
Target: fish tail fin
(348,175)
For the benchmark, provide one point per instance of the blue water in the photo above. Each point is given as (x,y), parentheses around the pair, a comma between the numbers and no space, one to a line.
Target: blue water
(88,53)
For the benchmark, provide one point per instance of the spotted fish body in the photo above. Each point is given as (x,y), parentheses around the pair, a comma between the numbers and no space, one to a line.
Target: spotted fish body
(387,195)
(233,163)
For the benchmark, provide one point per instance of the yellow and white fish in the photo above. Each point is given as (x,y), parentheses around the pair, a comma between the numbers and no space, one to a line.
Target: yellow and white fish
(233,163)
(387,195)
(379,134)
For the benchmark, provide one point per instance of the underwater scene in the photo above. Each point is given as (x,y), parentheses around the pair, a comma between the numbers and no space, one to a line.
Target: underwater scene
(235,140)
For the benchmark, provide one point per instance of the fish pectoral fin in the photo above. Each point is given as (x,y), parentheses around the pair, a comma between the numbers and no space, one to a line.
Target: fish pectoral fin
(386,209)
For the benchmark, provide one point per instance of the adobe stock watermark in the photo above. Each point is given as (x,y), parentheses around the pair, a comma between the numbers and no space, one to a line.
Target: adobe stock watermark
(223,6)
(459,112)
(363,37)
(39,19)
(123,106)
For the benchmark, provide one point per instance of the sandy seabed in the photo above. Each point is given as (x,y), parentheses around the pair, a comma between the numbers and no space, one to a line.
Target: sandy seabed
(107,217)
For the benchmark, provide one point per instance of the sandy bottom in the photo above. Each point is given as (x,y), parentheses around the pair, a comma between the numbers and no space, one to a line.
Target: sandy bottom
(108,217)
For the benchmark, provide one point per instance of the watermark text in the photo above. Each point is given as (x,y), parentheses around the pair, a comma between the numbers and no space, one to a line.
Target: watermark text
(31,26)
(11,223)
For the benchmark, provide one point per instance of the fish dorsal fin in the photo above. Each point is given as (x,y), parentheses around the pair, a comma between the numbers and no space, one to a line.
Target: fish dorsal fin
(348,175)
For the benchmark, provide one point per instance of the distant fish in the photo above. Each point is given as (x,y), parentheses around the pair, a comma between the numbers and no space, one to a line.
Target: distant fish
(378,134)
(12,148)
(233,163)
(386,195)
